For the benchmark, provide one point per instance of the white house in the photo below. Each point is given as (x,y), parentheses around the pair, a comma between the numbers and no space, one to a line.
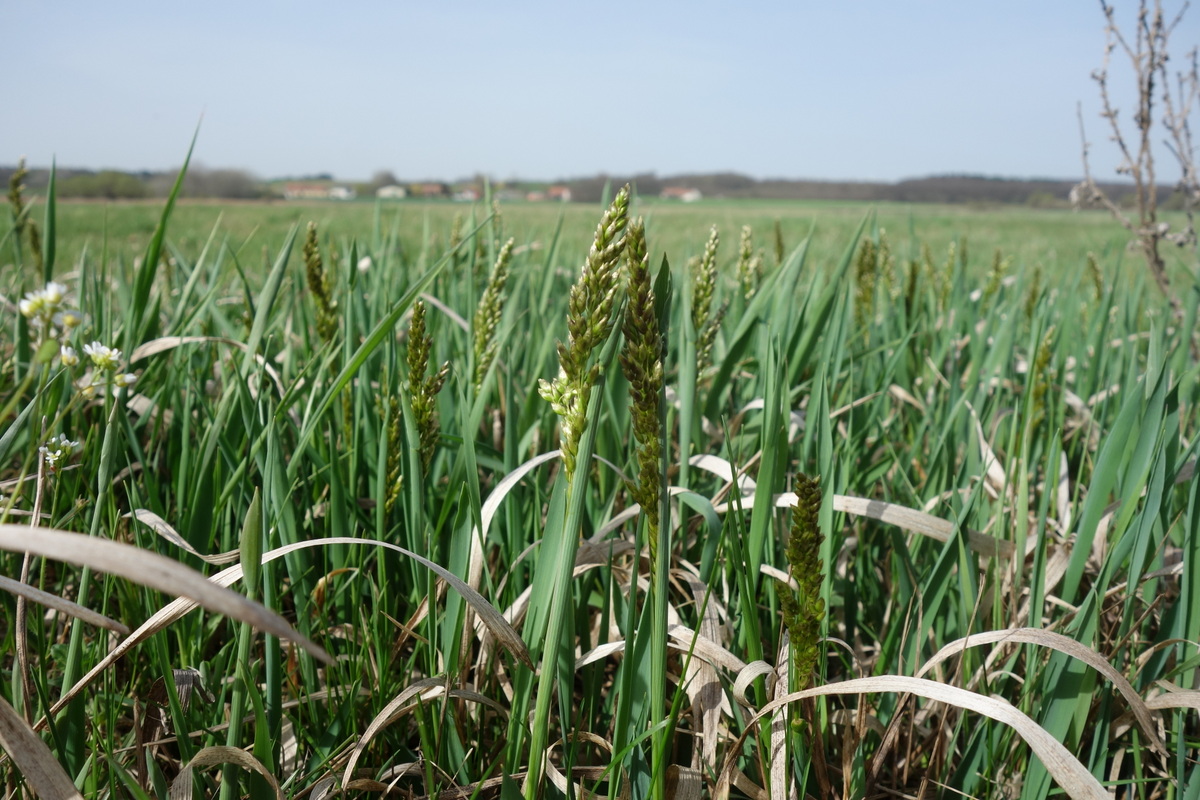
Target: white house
(392,192)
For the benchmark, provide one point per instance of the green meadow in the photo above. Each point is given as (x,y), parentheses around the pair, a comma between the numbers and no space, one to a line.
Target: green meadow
(743,499)
(1057,240)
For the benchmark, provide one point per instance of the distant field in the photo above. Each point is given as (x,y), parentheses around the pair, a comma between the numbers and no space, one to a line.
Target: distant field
(1057,241)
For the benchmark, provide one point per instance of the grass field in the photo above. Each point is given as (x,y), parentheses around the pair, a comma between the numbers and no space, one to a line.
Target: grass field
(1056,240)
(887,517)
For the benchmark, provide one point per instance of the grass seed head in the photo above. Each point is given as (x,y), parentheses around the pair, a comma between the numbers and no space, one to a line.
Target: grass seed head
(704,282)
(487,315)
(320,285)
(749,265)
(590,318)
(804,609)
(424,389)
(642,363)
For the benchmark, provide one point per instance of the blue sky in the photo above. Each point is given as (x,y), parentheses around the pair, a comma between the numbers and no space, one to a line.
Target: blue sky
(865,90)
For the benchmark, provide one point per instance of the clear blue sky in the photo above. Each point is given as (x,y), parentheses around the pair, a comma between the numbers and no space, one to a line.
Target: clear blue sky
(865,90)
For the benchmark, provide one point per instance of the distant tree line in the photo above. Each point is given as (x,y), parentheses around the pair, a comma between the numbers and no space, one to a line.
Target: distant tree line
(1040,193)
(110,184)
(202,182)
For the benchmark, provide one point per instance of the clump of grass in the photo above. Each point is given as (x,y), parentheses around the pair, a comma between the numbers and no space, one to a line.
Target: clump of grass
(488,313)
(592,314)
(424,388)
(320,286)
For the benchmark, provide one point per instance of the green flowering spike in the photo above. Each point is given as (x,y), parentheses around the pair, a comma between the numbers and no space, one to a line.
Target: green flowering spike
(999,269)
(1035,292)
(424,390)
(393,480)
(779,248)
(704,281)
(804,609)
(946,274)
(1043,377)
(864,280)
(590,320)
(749,268)
(320,285)
(642,363)
(487,315)
(16,185)
(887,265)
(1097,278)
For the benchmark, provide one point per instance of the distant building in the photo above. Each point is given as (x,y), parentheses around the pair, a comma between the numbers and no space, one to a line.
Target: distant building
(429,190)
(560,193)
(305,191)
(535,197)
(683,194)
(341,193)
(467,195)
(392,192)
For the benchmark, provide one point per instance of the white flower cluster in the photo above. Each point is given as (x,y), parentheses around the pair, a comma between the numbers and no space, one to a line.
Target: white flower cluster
(57,450)
(40,306)
(47,314)
(106,365)
(45,309)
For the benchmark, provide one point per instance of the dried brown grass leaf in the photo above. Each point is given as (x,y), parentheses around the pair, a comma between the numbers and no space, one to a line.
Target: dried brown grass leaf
(426,688)
(33,758)
(152,570)
(165,343)
(181,787)
(1063,767)
(1068,646)
(164,529)
(61,605)
(902,516)
(180,606)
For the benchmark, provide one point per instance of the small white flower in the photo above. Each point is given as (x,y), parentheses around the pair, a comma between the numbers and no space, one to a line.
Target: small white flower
(54,293)
(364,263)
(56,450)
(68,319)
(41,305)
(68,356)
(128,379)
(103,356)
